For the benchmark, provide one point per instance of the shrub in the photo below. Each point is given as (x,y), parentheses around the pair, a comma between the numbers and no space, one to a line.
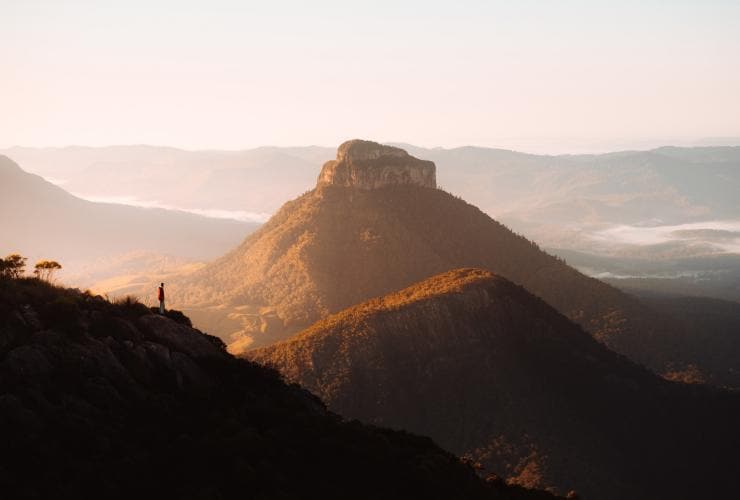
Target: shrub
(45,269)
(177,316)
(12,266)
(63,313)
(131,307)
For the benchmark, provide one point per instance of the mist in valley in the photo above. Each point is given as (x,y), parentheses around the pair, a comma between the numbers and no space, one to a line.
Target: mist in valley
(668,214)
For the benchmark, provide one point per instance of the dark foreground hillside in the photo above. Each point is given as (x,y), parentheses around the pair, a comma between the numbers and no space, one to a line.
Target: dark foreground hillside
(101,400)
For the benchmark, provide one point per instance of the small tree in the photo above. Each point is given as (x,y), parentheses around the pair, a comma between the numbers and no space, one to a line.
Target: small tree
(45,269)
(12,266)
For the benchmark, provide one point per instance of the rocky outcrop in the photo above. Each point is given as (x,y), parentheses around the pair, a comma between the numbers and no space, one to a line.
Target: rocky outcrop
(369,165)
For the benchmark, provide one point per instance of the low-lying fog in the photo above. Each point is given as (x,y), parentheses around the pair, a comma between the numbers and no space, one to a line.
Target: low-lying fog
(719,235)
(215,213)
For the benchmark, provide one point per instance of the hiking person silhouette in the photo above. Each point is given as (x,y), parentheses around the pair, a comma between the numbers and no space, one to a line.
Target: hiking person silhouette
(160,296)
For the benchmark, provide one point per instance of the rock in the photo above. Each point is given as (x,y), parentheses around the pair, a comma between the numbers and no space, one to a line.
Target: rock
(26,361)
(14,414)
(14,328)
(369,165)
(30,317)
(189,375)
(179,337)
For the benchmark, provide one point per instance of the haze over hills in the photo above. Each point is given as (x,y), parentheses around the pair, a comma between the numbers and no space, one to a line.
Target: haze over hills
(248,185)
(489,370)
(97,240)
(667,203)
(663,186)
(711,275)
(102,400)
(337,246)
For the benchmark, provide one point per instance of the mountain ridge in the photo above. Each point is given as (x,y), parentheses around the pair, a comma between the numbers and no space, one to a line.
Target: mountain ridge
(557,200)
(336,246)
(491,371)
(103,400)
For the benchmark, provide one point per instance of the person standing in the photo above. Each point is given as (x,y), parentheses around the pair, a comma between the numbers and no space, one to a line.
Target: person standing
(160,296)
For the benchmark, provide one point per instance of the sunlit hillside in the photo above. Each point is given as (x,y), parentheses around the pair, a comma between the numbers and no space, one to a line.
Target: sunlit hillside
(489,370)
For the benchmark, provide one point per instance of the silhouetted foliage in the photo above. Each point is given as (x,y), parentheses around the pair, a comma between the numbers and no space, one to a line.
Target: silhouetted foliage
(12,266)
(62,312)
(131,306)
(175,315)
(45,269)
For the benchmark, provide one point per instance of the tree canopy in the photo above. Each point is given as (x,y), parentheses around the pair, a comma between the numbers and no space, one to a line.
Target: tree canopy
(12,266)
(45,269)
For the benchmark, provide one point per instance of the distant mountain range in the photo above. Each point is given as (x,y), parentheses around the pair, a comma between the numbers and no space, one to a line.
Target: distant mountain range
(41,220)
(667,203)
(564,201)
(245,184)
(489,370)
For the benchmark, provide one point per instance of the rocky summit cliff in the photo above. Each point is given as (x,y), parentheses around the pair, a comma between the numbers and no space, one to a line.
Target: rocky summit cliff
(102,400)
(487,369)
(341,244)
(369,165)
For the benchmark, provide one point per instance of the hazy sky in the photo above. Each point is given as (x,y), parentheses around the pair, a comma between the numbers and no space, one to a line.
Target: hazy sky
(238,74)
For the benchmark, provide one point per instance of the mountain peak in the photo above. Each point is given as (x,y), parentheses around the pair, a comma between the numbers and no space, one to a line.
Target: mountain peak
(490,371)
(8,166)
(455,281)
(369,165)
(358,150)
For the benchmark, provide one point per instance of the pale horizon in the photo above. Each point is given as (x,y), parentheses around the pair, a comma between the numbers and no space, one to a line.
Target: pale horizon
(554,147)
(567,78)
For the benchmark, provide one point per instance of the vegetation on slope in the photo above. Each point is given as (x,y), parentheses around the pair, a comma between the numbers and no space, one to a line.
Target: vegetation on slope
(714,340)
(107,400)
(487,369)
(336,247)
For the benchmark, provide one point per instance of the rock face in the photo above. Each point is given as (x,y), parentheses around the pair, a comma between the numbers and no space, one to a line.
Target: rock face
(487,369)
(369,165)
